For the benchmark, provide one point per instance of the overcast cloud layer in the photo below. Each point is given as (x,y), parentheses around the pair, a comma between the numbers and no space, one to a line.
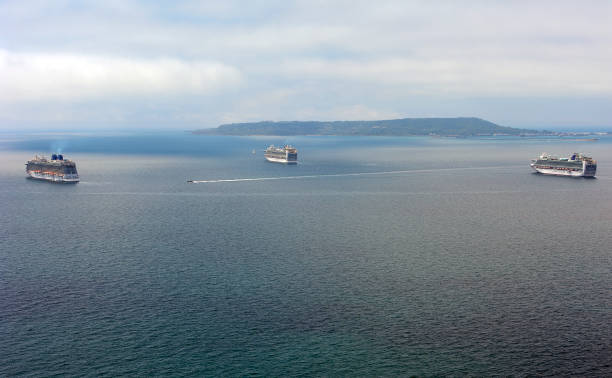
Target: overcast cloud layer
(139,64)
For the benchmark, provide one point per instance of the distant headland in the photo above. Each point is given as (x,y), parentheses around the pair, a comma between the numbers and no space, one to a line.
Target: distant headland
(461,126)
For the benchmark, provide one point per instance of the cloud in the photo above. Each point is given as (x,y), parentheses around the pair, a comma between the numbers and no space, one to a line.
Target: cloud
(461,76)
(211,62)
(61,77)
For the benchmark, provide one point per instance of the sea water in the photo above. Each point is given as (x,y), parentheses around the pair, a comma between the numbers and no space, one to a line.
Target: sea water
(373,256)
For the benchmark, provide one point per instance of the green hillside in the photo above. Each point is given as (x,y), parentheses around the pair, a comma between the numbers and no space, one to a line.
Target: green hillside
(394,127)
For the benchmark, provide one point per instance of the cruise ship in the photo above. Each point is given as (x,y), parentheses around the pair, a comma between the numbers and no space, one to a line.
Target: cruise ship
(285,155)
(576,165)
(55,170)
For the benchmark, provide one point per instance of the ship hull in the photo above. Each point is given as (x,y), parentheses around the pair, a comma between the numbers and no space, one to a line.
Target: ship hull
(53,178)
(280,160)
(562,172)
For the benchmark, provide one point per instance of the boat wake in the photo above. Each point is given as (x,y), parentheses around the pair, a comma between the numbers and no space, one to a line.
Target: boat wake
(345,174)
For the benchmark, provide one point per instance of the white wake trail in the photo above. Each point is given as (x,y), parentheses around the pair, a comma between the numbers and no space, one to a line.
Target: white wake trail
(345,174)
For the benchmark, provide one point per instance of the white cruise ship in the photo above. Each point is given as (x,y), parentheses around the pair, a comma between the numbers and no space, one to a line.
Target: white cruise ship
(576,165)
(55,170)
(285,155)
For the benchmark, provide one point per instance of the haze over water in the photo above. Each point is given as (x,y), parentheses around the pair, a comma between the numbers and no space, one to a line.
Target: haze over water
(457,260)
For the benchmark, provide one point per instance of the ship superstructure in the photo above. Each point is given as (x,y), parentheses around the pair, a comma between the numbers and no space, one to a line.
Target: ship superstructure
(577,165)
(285,155)
(56,169)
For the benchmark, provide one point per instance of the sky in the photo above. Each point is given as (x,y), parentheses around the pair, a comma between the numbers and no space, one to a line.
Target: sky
(123,64)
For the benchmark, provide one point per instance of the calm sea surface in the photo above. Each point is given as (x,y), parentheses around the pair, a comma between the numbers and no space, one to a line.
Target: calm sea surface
(462,263)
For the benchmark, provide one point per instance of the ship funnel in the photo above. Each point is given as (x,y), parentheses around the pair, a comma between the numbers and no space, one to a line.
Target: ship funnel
(60,157)
(54,157)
